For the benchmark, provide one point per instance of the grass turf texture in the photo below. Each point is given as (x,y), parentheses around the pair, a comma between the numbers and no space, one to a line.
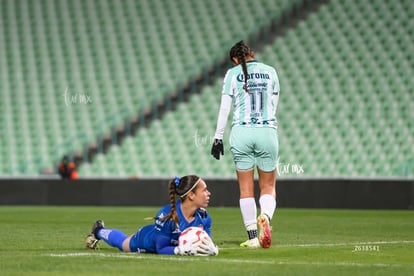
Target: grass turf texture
(50,241)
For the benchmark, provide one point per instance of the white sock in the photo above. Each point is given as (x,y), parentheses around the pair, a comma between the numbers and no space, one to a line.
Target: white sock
(249,212)
(267,205)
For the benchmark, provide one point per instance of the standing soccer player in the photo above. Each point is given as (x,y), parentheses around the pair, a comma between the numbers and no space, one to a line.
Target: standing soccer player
(253,88)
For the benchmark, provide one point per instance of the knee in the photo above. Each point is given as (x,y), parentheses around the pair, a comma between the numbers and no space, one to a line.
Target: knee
(125,244)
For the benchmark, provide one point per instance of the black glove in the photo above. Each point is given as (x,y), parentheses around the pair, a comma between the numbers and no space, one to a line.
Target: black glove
(217,148)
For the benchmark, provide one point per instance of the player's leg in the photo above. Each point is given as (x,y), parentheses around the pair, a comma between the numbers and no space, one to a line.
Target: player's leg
(267,153)
(113,237)
(267,185)
(266,159)
(267,203)
(138,242)
(240,146)
(246,183)
(248,206)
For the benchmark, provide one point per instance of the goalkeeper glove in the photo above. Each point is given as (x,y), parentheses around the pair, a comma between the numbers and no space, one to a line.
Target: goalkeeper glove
(190,249)
(217,148)
(207,248)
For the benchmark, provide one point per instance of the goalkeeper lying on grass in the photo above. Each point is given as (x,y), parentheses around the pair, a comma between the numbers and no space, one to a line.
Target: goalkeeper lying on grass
(162,236)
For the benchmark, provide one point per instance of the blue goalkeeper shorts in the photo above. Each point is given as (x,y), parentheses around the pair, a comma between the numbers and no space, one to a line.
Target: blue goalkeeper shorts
(254,146)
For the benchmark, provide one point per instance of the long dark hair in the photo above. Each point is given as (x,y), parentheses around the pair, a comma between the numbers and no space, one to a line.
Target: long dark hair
(181,187)
(241,50)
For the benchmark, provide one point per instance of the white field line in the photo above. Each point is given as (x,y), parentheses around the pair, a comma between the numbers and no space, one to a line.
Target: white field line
(157,257)
(331,244)
(345,244)
(216,259)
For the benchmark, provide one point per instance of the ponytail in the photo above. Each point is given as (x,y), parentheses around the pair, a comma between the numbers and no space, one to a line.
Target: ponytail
(240,51)
(173,213)
(242,59)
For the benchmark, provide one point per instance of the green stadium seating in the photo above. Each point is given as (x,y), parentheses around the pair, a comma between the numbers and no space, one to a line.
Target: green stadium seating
(346,76)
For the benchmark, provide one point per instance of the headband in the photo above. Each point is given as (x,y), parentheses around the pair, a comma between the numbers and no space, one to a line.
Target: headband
(195,184)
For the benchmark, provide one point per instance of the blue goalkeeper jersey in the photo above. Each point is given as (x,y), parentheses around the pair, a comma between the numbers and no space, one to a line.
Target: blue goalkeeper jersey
(162,236)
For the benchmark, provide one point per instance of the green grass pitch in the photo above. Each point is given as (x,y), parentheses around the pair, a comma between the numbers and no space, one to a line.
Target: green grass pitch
(50,241)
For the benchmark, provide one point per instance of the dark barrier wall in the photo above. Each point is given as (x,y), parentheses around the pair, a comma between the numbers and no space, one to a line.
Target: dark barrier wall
(296,193)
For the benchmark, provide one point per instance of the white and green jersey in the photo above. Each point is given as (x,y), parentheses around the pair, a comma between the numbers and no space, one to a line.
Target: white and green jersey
(257,107)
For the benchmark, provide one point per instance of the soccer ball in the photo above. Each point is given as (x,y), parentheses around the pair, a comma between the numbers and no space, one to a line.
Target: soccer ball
(191,235)
(194,241)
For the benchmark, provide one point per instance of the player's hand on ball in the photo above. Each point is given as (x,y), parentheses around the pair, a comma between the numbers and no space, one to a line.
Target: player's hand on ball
(207,248)
(217,148)
(189,249)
